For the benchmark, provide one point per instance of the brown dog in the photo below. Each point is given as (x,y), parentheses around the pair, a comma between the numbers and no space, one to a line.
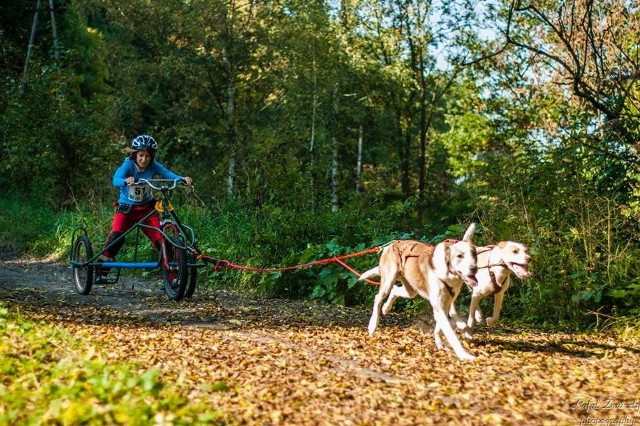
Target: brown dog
(435,273)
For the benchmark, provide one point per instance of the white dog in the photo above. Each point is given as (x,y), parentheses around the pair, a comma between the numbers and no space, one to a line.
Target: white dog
(435,273)
(495,264)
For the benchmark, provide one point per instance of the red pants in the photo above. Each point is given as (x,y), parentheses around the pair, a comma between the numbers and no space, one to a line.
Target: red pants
(123,221)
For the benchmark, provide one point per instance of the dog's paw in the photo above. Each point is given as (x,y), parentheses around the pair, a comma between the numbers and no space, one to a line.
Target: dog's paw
(461,325)
(491,321)
(372,328)
(467,335)
(466,356)
(478,316)
(386,308)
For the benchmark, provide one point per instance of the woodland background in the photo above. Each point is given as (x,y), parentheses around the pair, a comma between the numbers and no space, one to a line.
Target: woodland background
(316,128)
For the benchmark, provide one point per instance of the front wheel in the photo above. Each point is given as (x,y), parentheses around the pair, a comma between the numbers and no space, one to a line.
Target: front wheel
(82,275)
(176,276)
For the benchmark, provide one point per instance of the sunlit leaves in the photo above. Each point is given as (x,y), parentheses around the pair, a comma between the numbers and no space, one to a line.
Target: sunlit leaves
(239,359)
(49,377)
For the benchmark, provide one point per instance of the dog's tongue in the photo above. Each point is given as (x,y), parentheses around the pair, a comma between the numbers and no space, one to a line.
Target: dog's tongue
(521,271)
(470,280)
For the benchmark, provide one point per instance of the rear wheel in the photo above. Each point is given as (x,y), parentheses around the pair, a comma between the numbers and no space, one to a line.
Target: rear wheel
(82,275)
(176,277)
(192,273)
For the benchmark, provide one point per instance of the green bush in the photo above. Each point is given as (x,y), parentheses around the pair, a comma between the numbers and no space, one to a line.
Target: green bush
(582,263)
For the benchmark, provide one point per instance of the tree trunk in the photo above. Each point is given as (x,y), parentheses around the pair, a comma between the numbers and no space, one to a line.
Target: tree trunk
(32,39)
(404,153)
(359,164)
(56,47)
(422,160)
(335,196)
(312,141)
(231,137)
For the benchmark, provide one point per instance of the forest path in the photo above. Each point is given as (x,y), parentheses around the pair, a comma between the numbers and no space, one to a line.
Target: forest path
(272,361)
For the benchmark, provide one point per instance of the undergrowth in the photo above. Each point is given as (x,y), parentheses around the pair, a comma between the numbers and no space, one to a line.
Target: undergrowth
(271,237)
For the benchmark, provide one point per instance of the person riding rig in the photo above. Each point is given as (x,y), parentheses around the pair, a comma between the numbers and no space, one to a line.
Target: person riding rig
(135,200)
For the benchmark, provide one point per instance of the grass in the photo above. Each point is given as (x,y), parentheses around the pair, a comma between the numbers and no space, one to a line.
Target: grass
(50,377)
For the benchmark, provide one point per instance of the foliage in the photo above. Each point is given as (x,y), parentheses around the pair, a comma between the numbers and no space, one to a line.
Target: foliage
(264,105)
(275,237)
(585,268)
(54,124)
(50,377)
(582,241)
(28,227)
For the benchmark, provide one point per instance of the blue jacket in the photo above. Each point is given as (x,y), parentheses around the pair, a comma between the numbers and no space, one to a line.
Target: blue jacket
(139,194)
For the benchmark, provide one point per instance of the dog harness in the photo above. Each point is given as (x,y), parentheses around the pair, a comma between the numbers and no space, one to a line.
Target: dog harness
(406,249)
(496,287)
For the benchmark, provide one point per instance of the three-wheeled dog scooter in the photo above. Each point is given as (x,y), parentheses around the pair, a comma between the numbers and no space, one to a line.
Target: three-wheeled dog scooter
(177,261)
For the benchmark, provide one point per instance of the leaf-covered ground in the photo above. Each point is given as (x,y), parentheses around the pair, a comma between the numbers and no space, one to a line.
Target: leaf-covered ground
(299,363)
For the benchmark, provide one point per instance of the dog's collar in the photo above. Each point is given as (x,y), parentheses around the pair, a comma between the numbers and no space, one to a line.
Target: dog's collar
(497,287)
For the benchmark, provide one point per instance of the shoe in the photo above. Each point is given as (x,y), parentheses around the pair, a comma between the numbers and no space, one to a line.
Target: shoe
(102,274)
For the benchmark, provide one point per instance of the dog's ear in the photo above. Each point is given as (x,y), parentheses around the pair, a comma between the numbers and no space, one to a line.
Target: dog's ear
(447,254)
(441,256)
(446,251)
(468,235)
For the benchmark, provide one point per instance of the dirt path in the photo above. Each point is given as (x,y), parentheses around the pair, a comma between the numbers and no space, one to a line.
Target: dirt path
(298,363)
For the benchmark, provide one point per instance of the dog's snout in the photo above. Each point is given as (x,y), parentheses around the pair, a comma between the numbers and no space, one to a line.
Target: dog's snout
(473,269)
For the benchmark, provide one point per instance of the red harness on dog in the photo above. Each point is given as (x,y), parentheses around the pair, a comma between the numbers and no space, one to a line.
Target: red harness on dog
(496,286)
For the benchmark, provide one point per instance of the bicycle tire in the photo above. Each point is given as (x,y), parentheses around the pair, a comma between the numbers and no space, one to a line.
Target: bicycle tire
(175,278)
(82,275)
(192,278)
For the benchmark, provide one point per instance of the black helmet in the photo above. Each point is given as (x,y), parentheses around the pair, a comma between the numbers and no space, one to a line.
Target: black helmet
(144,142)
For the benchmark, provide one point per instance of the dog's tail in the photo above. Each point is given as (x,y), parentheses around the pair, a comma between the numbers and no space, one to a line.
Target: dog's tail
(375,272)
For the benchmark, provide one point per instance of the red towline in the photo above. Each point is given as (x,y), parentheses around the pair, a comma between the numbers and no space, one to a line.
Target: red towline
(220,264)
